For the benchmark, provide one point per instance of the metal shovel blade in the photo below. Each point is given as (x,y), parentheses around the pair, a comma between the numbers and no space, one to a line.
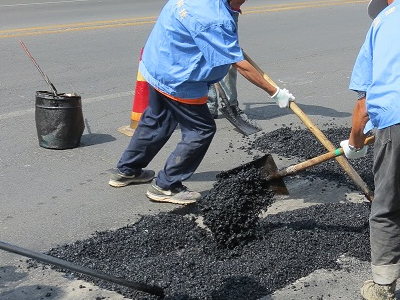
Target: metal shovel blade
(243,125)
(267,166)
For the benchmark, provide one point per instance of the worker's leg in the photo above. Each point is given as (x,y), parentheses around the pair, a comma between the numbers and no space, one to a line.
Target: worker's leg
(155,128)
(198,129)
(228,83)
(385,209)
(212,101)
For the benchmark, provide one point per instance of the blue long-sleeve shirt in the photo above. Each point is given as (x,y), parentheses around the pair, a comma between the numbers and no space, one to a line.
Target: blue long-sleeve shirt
(191,46)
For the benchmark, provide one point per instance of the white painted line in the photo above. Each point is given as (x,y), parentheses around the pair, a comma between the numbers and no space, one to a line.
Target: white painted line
(19,113)
(42,3)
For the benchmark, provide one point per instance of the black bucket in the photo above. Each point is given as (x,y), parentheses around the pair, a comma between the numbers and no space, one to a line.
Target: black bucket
(59,120)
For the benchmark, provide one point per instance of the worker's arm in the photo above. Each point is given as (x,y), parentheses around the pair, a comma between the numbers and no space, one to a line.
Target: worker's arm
(354,147)
(252,75)
(281,96)
(360,118)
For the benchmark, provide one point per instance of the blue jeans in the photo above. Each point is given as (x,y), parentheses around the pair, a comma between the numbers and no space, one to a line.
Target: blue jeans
(156,126)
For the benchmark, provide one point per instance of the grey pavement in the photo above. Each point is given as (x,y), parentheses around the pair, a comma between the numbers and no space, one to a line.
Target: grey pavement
(53,197)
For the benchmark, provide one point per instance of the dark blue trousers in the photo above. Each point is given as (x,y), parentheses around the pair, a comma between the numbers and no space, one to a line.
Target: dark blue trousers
(158,122)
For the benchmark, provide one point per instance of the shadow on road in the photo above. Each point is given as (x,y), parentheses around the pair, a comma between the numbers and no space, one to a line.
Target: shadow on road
(271,110)
(91,139)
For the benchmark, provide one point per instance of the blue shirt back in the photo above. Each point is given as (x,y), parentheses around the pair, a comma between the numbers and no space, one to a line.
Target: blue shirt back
(191,46)
(377,69)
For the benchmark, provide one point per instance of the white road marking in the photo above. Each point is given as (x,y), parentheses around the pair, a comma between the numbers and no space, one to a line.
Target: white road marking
(42,3)
(19,113)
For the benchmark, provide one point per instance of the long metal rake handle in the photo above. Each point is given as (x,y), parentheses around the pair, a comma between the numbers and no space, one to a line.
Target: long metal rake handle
(154,290)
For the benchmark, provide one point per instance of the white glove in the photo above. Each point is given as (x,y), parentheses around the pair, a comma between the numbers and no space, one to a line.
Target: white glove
(282,97)
(351,153)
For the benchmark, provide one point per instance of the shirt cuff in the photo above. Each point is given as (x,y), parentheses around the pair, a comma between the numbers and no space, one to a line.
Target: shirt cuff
(361,94)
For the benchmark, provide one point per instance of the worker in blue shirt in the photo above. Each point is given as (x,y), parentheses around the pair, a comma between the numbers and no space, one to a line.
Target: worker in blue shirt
(376,79)
(192,45)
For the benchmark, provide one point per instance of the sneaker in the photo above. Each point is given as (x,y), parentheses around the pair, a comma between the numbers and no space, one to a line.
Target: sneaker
(181,195)
(373,291)
(119,179)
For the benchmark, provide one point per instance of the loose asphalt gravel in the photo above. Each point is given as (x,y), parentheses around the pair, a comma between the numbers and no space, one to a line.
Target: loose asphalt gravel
(221,248)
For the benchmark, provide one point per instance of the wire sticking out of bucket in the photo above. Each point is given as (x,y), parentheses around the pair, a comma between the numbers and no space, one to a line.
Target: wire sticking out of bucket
(53,89)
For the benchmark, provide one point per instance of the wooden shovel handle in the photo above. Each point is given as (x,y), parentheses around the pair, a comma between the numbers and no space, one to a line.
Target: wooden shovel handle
(343,162)
(320,136)
(314,161)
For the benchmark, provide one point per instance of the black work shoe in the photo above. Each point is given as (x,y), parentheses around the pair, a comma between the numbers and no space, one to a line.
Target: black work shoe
(181,195)
(119,179)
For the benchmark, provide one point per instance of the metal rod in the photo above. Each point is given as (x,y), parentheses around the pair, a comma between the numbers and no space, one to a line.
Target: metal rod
(53,89)
(154,290)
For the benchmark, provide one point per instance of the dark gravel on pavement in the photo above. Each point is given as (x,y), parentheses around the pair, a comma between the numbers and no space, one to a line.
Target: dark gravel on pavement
(236,255)
(171,251)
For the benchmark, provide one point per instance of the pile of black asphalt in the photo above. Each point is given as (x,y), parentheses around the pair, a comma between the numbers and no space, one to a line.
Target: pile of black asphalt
(222,249)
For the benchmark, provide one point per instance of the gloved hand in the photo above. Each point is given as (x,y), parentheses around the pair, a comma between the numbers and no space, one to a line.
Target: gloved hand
(282,97)
(350,153)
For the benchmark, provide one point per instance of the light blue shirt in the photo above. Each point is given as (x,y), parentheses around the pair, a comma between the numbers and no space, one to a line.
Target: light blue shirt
(377,69)
(191,46)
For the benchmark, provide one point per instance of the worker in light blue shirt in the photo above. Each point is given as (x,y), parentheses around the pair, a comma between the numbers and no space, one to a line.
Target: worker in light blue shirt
(172,62)
(376,79)
(192,45)
(375,71)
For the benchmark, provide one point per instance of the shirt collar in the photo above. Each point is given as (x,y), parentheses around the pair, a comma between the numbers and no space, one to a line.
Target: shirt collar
(235,11)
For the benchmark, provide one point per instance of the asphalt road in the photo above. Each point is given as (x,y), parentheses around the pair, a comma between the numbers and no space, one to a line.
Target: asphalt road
(51,197)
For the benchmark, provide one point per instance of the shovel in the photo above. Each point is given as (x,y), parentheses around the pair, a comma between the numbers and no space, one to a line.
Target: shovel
(267,167)
(321,137)
(154,290)
(273,176)
(244,126)
(293,169)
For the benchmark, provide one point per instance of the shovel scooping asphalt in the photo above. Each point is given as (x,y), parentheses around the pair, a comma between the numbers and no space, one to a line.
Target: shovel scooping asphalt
(293,169)
(267,166)
(154,290)
(320,136)
(273,176)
